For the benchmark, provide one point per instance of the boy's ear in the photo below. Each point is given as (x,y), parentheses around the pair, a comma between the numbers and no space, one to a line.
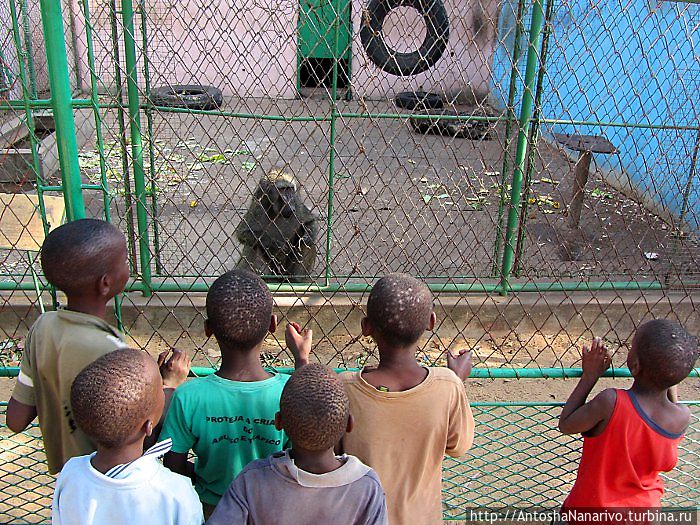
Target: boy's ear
(207,328)
(148,427)
(273,324)
(104,285)
(366,327)
(278,421)
(633,364)
(433,320)
(351,424)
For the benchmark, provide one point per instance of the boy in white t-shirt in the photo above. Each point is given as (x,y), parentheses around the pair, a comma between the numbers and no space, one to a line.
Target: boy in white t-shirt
(116,401)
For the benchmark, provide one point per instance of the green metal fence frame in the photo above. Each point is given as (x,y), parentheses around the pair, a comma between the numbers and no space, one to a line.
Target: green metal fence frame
(508,242)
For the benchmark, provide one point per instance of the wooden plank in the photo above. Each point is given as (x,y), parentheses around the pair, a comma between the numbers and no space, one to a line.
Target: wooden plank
(21,227)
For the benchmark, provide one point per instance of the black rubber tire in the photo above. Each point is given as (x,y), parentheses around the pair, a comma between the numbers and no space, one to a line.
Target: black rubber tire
(419,100)
(465,127)
(405,64)
(191,96)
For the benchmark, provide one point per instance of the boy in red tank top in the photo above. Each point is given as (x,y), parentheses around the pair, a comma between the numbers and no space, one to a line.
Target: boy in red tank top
(629,436)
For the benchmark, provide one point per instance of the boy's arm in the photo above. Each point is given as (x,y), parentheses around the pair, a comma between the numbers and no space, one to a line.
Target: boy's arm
(19,415)
(21,410)
(177,462)
(461,364)
(460,430)
(299,343)
(174,372)
(578,416)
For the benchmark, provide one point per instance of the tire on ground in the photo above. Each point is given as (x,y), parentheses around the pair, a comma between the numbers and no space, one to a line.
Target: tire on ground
(464,127)
(418,100)
(404,64)
(190,96)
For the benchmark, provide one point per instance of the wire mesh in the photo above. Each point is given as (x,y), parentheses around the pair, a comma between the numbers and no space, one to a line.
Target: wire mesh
(519,460)
(475,202)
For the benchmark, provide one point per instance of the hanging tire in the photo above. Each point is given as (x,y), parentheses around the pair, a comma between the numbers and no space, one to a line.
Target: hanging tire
(464,127)
(404,64)
(419,100)
(187,96)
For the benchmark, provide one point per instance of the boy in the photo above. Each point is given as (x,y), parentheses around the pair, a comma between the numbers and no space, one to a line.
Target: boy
(407,417)
(117,400)
(88,261)
(228,418)
(308,483)
(629,436)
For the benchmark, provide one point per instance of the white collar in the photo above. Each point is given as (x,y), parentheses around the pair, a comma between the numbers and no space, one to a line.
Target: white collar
(156,451)
(350,471)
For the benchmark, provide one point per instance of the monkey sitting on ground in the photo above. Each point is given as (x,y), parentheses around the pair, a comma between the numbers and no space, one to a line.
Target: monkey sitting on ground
(278,232)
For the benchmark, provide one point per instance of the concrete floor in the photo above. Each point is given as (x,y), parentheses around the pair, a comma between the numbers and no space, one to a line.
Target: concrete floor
(423,204)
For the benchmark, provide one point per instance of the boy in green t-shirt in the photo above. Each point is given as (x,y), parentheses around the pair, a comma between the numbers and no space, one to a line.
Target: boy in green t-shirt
(88,261)
(228,418)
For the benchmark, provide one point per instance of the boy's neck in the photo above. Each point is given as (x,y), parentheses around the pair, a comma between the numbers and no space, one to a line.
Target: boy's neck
(643,390)
(314,461)
(96,306)
(398,359)
(107,458)
(242,365)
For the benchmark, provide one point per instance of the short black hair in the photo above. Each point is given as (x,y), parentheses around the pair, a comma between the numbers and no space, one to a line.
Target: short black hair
(399,306)
(314,408)
(77,253)
(114,394)
(666,352)
(239,308)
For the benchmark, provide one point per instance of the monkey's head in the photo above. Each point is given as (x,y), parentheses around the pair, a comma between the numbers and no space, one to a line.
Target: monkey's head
(280,188)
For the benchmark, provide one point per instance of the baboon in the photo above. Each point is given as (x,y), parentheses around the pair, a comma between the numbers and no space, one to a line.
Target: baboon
(278,232)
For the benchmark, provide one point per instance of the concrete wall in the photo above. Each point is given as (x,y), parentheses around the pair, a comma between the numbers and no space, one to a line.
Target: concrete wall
(464,70)
(36,41)
(248,49)
(620,61)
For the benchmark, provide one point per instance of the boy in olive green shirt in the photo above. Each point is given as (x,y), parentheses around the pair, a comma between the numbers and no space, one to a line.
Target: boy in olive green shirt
(228,418)
(87,260)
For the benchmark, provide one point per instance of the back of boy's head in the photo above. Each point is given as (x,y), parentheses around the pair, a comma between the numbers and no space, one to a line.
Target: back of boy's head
(115,394)
(239,309)
(666,352)
(77,253)
(399,306)
(314,408)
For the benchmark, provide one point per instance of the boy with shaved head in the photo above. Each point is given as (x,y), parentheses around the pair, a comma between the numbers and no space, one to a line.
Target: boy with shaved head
(407,416)
(117,400)
(308,483)
(87,260)
(629,436)
(227,418)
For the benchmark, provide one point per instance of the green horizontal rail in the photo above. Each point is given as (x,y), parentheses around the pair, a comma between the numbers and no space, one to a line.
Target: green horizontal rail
(477,373)
(365,287)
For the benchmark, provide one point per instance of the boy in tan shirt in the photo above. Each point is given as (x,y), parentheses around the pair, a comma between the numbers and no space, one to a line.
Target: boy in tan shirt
(87,260)
(407,417)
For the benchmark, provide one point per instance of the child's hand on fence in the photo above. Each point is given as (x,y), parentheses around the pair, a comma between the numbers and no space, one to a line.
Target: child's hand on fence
(460,364)
(299,343)
(595,360)
(174,370)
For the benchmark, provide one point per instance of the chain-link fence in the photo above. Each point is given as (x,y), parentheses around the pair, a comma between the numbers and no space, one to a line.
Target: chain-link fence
(536,162)
(519,460)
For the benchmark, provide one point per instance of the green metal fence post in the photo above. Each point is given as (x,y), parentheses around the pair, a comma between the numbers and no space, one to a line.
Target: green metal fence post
(136,143)
(61,100)
(331,151)
(533,137)
(510,117)
(526,110)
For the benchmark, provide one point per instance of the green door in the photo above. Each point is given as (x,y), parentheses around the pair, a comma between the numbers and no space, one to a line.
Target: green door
(317,37)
